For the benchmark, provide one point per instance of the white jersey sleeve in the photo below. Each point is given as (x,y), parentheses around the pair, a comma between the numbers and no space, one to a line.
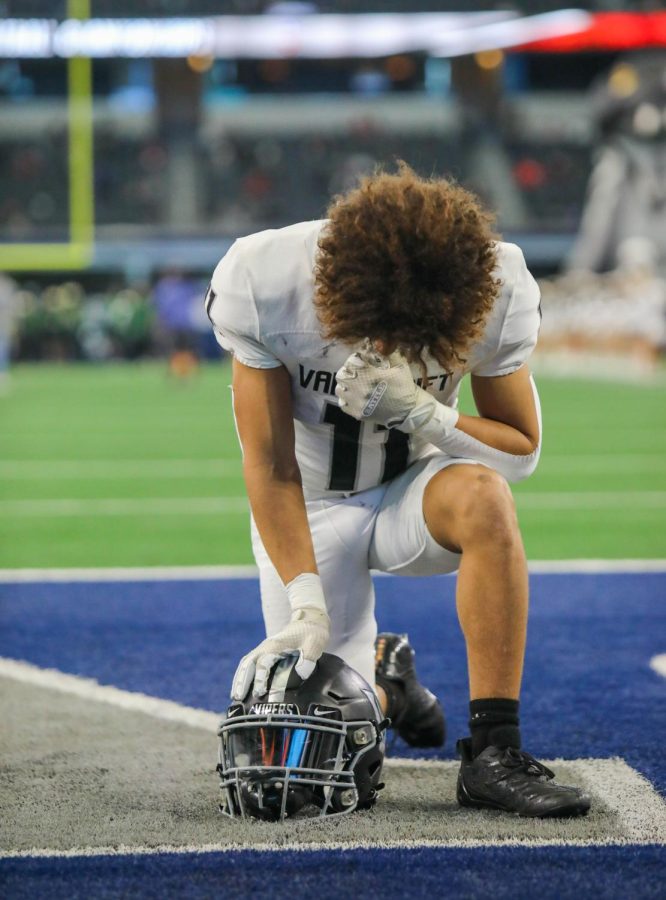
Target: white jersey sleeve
(514,332)
(231,307)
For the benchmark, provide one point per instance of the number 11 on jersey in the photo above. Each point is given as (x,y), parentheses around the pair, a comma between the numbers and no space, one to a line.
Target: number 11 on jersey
(347,445)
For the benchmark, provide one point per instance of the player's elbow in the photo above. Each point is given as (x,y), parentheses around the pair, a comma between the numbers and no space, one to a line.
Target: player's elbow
(281,468)
(521,467)
(287,470)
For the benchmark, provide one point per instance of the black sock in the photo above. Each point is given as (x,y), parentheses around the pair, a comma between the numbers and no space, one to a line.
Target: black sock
(494,721)
(395,697)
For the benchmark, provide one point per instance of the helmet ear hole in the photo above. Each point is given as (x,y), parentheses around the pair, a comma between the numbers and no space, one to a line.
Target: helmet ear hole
(338,697)
(344,799)
(374,767)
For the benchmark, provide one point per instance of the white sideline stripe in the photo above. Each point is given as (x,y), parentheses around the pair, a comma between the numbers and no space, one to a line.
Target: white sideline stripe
(658,664)
(617,784)
(145,573)
(138,506)
(119,468)
(142,506)
(90,689)
(595,566)
(220,573)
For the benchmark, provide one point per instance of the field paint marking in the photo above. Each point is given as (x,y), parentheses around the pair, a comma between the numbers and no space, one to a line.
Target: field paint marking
(658,664)
(617,785)
(221,573)
(595,566)
(137,506)
(314,847)
(590,499)
(90,689)
(140,506)
(21,469)
(145,573)
(120,468)
(566,463)
(155,707)
(629,795)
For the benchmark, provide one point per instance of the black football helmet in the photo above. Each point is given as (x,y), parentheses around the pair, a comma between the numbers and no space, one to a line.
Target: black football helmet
(315,746)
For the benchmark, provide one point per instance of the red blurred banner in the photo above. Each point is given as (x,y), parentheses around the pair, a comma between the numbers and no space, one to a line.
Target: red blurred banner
(608,31)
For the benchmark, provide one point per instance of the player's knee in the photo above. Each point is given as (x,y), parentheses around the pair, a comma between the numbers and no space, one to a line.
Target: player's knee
(467,505)
(486,511)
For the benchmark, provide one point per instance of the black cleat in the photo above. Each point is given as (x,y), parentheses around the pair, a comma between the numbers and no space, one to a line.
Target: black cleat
(514,781)
(415,712)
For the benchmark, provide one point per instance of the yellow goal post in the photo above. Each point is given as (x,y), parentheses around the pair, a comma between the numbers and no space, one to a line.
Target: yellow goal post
(77,252)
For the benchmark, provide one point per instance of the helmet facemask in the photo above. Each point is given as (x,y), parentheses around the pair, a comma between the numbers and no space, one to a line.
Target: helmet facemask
(279,759)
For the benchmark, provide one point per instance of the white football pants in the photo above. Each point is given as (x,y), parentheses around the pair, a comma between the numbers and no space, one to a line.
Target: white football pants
(382,528)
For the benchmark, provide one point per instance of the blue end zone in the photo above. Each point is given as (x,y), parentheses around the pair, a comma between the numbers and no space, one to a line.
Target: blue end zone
(549,873)
(588,691)
(588,688)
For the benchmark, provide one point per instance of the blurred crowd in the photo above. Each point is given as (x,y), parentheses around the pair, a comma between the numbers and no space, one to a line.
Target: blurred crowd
(250,182)
(65,322)
(616,318)
(181,153)
(617,315)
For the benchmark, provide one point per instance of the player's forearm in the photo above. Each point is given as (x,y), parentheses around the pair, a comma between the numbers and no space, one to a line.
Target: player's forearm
(498,435)
(498,446)
(278,508)
(506,449)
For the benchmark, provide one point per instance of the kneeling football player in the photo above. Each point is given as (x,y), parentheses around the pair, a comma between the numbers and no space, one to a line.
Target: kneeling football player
(350,337)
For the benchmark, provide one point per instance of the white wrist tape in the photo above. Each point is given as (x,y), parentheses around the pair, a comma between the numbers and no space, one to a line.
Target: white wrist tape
(429,417)
(306,591)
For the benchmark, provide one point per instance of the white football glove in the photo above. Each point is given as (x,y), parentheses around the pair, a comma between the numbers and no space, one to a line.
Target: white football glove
(380,389)
(307,634)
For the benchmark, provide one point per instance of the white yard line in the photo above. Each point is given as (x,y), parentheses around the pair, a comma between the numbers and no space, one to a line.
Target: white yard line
(220,573)
(148,506)
(603,464)
(73,469)
(658,664)
(18,469)
(591,499)
(132,506)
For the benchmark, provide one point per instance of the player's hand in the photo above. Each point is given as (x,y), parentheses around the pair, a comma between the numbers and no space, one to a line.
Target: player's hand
(381,389)
(307,634)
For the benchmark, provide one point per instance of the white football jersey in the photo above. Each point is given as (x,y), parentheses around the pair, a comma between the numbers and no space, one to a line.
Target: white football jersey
(261,305)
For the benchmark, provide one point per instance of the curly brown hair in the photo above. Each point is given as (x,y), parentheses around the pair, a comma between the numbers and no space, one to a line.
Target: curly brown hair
(408,261)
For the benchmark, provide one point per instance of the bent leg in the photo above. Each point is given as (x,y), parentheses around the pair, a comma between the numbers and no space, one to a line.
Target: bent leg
(402,545)
(470,510)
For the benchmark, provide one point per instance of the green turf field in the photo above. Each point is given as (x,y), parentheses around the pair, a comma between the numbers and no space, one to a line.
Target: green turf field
(119,466)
